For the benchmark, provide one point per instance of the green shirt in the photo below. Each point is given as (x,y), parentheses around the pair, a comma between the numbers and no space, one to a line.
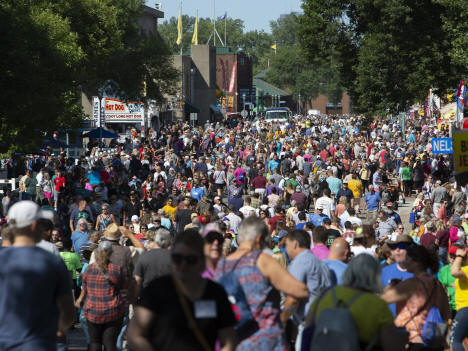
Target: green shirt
(369,311)
(72,261)
(446,279)
(406,173)
(30,184)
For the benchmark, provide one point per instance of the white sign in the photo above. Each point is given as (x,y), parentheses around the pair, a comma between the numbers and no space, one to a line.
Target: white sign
(244,113)
(193,116)
(119,111)
(96,111)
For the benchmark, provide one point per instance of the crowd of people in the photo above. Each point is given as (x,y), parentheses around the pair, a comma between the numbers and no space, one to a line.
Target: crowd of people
(239,235)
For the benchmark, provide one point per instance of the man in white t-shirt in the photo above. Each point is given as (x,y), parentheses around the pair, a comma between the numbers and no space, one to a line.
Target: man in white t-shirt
(246,209)
(326,202)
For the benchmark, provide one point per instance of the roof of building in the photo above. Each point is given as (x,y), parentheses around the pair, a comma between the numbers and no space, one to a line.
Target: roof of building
(267,88)
(223,50)
(151,10)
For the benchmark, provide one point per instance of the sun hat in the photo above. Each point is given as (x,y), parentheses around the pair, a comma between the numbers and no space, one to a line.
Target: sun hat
(112,232)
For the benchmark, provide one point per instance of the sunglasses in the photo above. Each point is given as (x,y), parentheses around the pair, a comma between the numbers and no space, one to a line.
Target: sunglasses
(188,259)
(212,236)
(400,246)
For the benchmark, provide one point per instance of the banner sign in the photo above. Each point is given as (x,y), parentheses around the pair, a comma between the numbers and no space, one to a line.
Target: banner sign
(119,111)
(442,146)
(233,77)
(96,111)
(460,151)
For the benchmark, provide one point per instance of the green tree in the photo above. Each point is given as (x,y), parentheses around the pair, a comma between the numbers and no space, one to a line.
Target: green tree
(389,53)
(291,71)
(39,60)
(117,50)
(284,30)
(54,50)
(456,26)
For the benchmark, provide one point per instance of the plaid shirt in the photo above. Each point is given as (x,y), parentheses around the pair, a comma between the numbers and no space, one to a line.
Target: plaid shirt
(104,301)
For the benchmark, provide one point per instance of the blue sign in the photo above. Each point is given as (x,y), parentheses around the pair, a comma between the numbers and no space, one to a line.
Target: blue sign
(442,146)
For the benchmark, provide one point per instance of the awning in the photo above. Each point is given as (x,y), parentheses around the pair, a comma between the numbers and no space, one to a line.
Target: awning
(190,108)
(100,133)
(268,89)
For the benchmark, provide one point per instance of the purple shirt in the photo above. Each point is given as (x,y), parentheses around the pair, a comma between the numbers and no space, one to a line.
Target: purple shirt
(208,273)
(320,251)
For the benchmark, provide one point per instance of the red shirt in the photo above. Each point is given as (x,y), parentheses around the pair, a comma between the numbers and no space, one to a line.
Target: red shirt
(272,221)
(323,155)
(259,182)
(104,302)
(59,183)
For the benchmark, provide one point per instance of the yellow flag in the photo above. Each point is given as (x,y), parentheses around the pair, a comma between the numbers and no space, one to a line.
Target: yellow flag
(273,47)
(195,32)
(179,29)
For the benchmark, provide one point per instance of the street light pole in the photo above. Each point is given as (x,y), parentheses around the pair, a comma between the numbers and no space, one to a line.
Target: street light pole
(192,90)
(299,104)
(243,101)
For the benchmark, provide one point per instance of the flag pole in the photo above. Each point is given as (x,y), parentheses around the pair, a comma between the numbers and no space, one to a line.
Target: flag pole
(225,19)
(275,47)
(214,23)
(181,26)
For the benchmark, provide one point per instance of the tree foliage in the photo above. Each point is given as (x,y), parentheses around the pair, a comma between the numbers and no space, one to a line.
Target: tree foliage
(51,51)
(389,53)
(290,70)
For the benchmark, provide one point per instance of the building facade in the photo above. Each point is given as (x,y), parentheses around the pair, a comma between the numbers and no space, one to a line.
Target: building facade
(233,80)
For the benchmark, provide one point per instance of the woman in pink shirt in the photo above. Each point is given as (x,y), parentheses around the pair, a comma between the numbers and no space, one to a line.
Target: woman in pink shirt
(456,231)
(319,238)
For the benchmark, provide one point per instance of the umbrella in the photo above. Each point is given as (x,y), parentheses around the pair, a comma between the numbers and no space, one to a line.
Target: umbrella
(53,143)
(100,133)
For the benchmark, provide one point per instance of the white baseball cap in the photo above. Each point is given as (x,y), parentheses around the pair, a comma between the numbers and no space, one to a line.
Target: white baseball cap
(24,213)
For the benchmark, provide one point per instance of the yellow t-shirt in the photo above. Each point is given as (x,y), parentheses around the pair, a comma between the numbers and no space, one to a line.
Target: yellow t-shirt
(356,187)
(461,291)
(370,312)
(170,210)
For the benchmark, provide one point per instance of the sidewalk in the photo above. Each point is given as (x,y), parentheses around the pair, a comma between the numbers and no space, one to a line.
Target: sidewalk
(76,339)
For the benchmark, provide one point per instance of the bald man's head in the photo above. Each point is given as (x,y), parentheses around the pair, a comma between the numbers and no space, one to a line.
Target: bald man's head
(339,250)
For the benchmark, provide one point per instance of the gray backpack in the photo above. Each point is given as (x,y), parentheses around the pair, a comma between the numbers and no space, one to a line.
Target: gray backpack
(335,328)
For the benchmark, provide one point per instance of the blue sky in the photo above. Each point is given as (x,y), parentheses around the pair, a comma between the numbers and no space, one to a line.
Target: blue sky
(256,14)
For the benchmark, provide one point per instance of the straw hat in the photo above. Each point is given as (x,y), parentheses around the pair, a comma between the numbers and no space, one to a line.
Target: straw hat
(112,232)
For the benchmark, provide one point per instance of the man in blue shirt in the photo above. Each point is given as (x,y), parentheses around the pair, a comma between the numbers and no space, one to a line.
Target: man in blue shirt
(80,235)
(333,183)
(394,273)
(197,192)
(273,164)
(377,180)
(337,258)
(36,303)
(317,217)
(372,199)
(306,268)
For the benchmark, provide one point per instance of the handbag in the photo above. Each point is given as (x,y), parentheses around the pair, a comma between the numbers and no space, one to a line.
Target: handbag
(190,320)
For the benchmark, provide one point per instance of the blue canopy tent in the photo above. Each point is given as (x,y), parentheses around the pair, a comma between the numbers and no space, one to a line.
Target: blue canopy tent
(99,133)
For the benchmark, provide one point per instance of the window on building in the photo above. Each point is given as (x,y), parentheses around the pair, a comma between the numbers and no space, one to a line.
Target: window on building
(242,61)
